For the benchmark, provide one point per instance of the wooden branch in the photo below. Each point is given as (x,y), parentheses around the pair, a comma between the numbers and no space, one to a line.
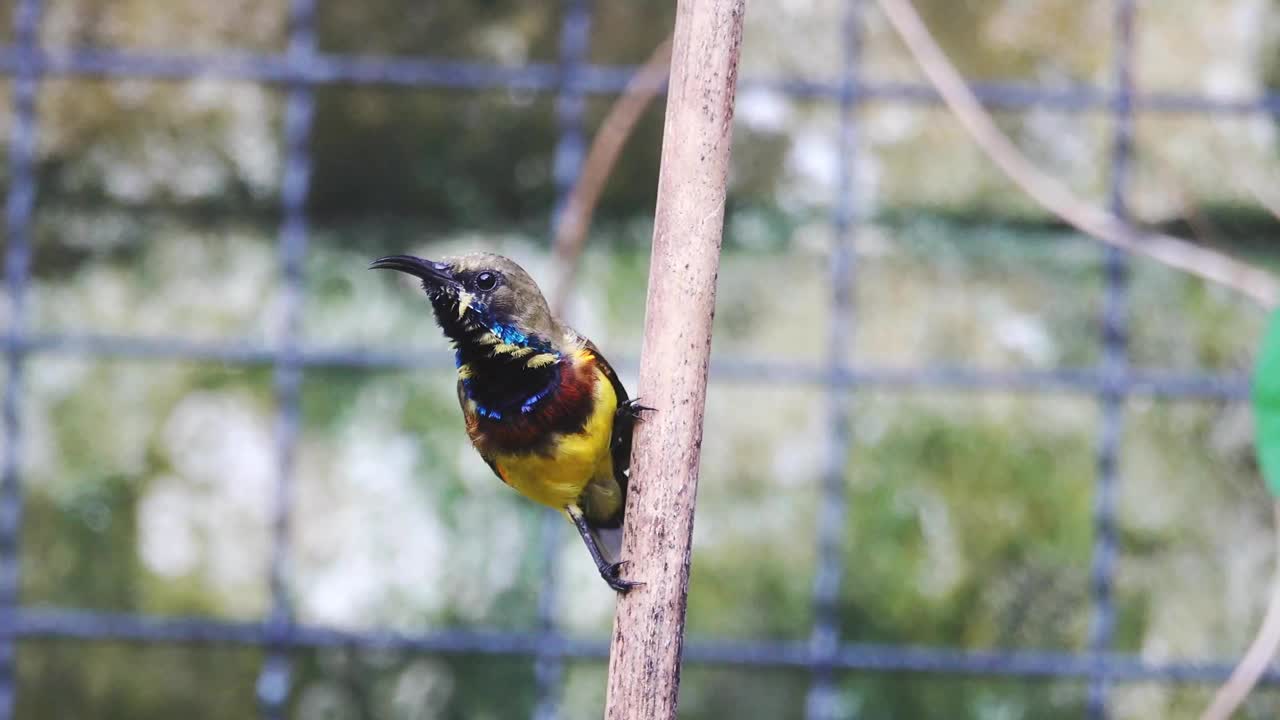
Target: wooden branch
(606,146)
(1052,194)
(648,632)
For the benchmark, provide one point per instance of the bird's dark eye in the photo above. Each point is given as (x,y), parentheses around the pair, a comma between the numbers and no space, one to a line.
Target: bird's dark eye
(486,281)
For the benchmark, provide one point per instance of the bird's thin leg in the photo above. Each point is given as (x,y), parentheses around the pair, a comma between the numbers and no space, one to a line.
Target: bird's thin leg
(608,571)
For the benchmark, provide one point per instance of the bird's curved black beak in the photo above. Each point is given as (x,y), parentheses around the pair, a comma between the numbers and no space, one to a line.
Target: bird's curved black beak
(431,273)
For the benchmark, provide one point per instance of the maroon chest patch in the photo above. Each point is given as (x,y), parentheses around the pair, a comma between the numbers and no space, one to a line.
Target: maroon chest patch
(563,409)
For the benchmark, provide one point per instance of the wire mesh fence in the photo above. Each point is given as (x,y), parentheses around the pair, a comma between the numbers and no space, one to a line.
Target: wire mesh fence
(572,79)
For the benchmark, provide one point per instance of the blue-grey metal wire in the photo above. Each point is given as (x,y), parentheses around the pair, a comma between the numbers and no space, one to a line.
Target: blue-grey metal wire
(1087,380)
(1115,344)
(48,623)
(19,207)
(822,702)
(325,69)
(572,79)
(575,37)
(274,682)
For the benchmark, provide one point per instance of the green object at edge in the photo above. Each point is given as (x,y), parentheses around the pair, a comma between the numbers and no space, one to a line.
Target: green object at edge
(1266,404)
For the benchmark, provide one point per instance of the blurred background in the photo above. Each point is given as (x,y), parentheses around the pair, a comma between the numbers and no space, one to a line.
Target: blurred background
(973,482)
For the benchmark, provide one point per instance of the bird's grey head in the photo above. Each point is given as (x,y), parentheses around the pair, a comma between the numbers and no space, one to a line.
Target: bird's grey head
(479,289)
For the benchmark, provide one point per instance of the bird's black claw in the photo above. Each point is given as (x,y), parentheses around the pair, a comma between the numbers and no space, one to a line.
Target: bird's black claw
(610,574)
(633,408)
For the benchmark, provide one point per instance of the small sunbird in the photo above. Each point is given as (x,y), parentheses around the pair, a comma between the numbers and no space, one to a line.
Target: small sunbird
(542,406)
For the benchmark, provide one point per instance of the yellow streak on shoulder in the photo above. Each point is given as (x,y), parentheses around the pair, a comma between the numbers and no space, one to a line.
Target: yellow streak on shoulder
(464,372)
(540,360)
(504,349)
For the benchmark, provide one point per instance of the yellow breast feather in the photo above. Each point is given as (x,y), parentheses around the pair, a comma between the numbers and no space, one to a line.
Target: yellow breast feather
(557,476)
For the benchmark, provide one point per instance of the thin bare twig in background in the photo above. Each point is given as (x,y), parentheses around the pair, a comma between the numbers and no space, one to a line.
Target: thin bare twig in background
(606,146)
(1052,194)
(1256,658)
